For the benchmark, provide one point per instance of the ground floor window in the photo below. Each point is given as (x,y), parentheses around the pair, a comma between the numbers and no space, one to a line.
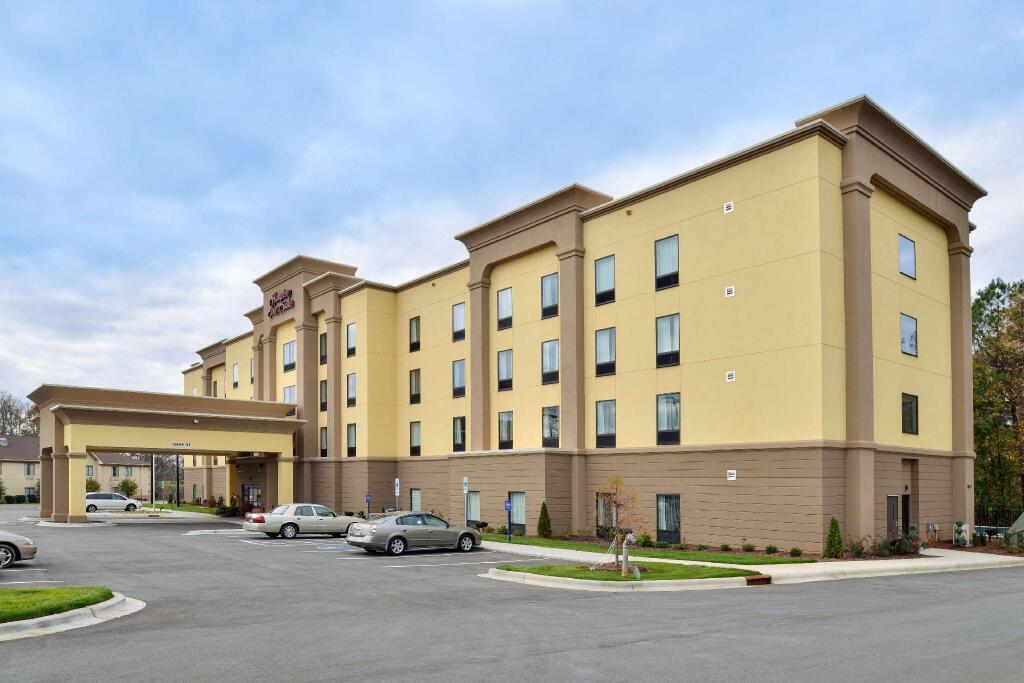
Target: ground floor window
(606,516)
(415,500)
(518,512)
(668,518)
(88,470)
(252,495)
(473,506)
(350,440)
(195,491)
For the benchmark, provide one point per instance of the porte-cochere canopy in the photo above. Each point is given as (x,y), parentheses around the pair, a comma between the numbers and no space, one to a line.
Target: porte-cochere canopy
(74,421)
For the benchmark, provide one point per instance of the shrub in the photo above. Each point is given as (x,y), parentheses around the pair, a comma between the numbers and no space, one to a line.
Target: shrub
(3,491)
(212,502)
(518,532)
(220,501)
(19,499)
(771,549)
(361,514)
(702,546)
(128,487)
(856,547)
(9,500)
(908,543)
(544,522)
(834,540)
(645,541)
(749,547)
(566,533)
(679,546)
(795,552)
(490,530)
(959,535)
(661,544)
(503,530)
(880,547)
(725,547)
(91,485)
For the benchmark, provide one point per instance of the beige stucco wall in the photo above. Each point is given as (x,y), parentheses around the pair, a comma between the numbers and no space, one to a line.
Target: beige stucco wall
(193,382)
(239,352)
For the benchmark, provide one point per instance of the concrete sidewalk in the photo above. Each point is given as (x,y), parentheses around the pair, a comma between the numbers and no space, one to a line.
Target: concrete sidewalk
(934,560)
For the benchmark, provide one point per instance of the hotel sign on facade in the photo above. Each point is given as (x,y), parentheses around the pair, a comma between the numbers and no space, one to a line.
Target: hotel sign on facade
(280,302)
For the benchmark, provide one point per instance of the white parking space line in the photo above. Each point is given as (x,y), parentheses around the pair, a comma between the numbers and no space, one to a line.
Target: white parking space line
(217,532)
(23,569)
(13,583)
(450,564)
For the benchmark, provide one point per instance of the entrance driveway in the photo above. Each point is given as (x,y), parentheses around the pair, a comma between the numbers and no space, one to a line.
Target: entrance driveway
(232,606)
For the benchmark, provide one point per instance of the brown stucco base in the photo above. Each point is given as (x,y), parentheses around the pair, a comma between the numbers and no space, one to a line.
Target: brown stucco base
(781,495)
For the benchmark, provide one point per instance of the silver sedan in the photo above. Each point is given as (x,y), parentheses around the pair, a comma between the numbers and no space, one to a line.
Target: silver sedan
(397,532)
(14,548)
(288,521)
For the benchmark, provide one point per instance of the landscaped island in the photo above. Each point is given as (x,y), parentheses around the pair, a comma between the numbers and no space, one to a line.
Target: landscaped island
(17,604)
(653,571)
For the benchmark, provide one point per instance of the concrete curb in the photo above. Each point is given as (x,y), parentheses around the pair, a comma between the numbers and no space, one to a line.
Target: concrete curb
(615,586)
(114,608)
(99,524)
(852,571)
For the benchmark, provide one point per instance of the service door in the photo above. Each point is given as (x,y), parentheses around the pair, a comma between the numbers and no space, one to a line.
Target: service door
(892,516)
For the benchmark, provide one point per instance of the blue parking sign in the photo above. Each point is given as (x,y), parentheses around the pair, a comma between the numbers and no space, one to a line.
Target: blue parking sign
(508,506)
(367,498)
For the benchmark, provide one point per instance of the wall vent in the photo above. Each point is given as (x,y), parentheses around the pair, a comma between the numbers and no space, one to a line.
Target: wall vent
(730,376)
(728,207)
(730,291)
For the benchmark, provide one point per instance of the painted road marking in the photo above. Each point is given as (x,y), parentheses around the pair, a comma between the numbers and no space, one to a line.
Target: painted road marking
(23,569)
(210,532)
(450,564)
(12,583)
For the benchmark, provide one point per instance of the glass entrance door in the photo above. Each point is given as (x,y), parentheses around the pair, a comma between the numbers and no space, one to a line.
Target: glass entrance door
(252,495)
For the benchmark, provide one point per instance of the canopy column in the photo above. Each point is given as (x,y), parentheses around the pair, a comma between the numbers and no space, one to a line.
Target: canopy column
(230,480)
(208,478)
(45,486)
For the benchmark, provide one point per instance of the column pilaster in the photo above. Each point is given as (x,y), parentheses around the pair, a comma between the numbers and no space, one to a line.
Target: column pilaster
(480,365)
(45,486)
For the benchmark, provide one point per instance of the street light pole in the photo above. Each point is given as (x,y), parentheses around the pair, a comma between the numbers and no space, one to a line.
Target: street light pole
(177,480)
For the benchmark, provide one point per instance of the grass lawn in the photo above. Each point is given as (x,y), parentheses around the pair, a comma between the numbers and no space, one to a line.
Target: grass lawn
(28,603)
(187,508)
(655,572)
(695,555)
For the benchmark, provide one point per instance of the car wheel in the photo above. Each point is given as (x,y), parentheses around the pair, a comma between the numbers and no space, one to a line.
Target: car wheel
(289,531)
(7,556)
(90,508)
(396,546)
(131,507)
(465,543)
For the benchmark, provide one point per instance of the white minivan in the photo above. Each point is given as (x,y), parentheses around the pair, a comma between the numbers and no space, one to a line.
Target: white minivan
(110,501)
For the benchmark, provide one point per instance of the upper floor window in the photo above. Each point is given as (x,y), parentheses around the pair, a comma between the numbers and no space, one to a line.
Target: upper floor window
(127,470)
(606,424)
(549,362)
(88,468)
(288,396)
(908,257)
(214,387)
(323,395)
(252,370)
(288,356)
(414,334)
(604,342)
(234,375)
(115,471)
(458,378)
(414,386)
(323,442)
(668,419)
(505,308)
(549,432)
(350,440)
(666,262)
(908,334)
(350,396)
(458,322)
(668,340)
(505,430)
(604,280)
(195,391)
(30,470)
(414,438)
(350,339)
(459,434)
(323,348)
(504,370)
(910,425)
(549,296)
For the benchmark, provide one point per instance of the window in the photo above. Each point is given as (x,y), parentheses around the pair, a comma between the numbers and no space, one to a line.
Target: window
(668,518)
(350,397)
(193,461)
(195,391)
(323,395)
(288,356)
(128,470)
(549,362)
(350,340)
(323,442)
(473,506)
(458,378)
(908,334)
(549,427)
(414,438)
(666,262)
(234,375)
(607,515)
(505,370)
(606,424)
(910,425)
(88,470)
(288,396)
(908,257)
(30,491)
(668,419)
(459,434)
(214,387)
(304,511)
(350,440)
(252,371)
(415,500)
(195,491)
(517,515)
(549,296)
(215,460)
(414,334)
(505,430)
(30,470)
(668,340)
(458,322)
(323,348)
(505,308)
(115,471)
(604,280)
(414,386)
(605,351)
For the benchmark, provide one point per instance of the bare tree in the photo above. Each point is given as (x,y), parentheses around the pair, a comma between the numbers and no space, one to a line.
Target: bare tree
(30,421)
(12,413)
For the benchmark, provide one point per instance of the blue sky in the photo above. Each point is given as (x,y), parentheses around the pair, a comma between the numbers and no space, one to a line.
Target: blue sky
(156,157)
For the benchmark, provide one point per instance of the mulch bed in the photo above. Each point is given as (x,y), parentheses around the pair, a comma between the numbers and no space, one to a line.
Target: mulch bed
(993,548)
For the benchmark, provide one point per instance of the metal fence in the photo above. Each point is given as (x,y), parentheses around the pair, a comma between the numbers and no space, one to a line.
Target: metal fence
(995,515)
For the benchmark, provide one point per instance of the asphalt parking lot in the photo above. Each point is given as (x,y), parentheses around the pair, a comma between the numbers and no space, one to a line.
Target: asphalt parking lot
(227,605)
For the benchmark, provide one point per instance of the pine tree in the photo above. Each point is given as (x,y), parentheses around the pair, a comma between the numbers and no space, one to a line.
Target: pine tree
(544,522)
(834,540)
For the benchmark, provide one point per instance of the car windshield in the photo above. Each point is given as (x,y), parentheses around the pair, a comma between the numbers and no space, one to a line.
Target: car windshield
(381,519)
(279,510)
